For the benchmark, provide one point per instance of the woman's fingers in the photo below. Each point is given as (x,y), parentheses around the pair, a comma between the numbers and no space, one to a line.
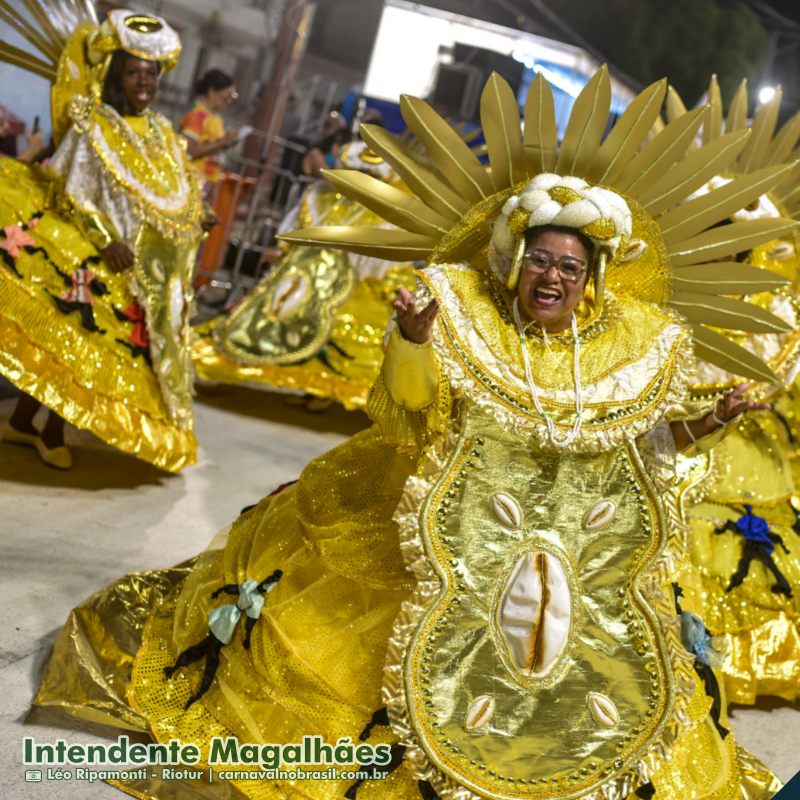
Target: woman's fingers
(414,325)
(404,295)
(738,390)
(125,259)
(430,311)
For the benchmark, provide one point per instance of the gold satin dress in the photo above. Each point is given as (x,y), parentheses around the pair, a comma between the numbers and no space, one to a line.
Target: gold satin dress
(315,323)
(509,602)
(107,352)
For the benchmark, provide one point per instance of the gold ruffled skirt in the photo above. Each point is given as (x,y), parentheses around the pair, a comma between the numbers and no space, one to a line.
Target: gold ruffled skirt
(312,326)
(93,378)
(316,661)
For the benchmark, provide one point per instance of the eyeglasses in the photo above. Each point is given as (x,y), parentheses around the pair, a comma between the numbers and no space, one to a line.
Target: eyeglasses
(539,262)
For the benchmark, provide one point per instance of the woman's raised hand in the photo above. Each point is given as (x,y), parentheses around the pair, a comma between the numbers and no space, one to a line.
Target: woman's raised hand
(416,326)
(732,404)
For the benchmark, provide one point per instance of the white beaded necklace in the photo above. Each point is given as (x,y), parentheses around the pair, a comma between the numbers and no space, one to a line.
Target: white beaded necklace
(551,428)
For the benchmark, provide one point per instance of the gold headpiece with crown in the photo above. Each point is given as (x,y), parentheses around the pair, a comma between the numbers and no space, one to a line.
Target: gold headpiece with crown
(73,50)
(450,213)
(142,35)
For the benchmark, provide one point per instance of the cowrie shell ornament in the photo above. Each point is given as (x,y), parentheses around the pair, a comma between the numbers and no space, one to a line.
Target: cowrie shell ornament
(480,711)
(506,510)
(535,613)
(599,516)
(781,251)
(603,710)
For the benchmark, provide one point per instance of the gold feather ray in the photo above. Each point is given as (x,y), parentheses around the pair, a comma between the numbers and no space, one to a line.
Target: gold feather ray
(539,138)
(724,312)
(737,113)
(728,240)
(785,141)
(27,31)
(716,349)
(42,14)
(789,192)
(756,152)
(675,110)
(27,61)
(424,183)
(702,212)
(392,245)
(695,170)
(713,127)
(586,124)
(501,127)
(657,157)
(726,277)
(675,106)
(447,150)
(391,204)
(627,135)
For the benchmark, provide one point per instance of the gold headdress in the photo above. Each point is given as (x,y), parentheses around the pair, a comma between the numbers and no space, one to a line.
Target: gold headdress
(142,35)
(450,218)
(73,49)
(600,214)
(771,278)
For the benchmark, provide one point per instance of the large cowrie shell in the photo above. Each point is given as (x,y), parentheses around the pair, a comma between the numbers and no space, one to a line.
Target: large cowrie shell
(479,712)
(535,613)
(599,516)
(506,510)
(289,295)
(603,710)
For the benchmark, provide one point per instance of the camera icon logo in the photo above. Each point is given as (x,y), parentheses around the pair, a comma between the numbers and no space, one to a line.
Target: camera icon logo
(33,775)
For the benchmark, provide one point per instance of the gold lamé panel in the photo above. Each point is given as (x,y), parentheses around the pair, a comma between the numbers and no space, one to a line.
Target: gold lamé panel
(289,316)
(162,275)
(90,669)
(544,736)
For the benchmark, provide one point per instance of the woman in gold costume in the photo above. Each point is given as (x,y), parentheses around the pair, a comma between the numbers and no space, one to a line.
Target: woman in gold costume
(485,580)
(315,323)
(740,499)
(98,251)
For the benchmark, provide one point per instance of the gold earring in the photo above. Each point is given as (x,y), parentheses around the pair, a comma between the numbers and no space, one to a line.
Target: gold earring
(600,281)
(516,263)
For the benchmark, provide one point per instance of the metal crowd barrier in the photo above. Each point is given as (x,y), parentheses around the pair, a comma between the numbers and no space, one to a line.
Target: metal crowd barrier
(262,195)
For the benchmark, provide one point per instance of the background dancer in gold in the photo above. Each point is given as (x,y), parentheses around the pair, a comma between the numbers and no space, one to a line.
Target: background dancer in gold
(740,497)
(99,251)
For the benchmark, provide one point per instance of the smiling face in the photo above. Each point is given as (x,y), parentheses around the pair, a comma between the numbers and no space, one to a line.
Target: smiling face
(139,81)
(547,293)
